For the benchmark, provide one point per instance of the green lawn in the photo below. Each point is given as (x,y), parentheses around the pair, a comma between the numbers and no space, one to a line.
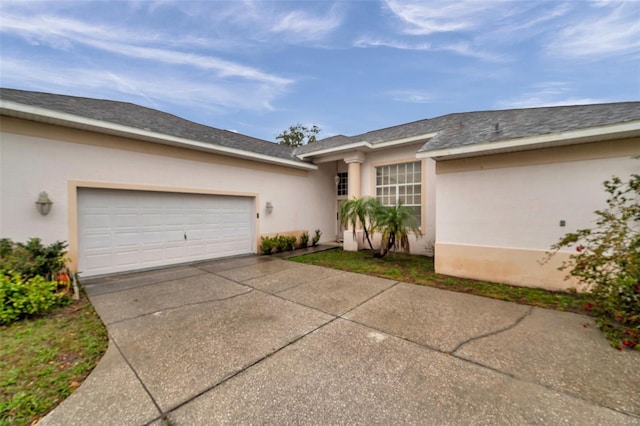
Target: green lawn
(43,360)
(419,270)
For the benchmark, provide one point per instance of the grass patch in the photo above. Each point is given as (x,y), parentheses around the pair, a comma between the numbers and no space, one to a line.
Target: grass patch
(419,270)
(44,359)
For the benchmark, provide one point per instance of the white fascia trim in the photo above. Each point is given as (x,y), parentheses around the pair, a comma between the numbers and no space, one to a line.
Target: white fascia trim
(532,141)
(334,150)
(53,116)
(365,144)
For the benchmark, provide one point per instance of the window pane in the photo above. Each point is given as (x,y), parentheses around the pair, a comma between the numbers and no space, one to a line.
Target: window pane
(400,182)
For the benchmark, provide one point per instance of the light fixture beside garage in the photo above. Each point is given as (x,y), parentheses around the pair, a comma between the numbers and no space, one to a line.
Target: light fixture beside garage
(44,203)
(269,207)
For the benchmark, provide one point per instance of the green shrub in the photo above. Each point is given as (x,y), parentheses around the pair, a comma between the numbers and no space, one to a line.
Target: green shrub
(32,258)
(606,262)
(282,243)
(6,247)
(291,242)
(21,298)
(304,240)
(267,245)
(316,238)
(279,243)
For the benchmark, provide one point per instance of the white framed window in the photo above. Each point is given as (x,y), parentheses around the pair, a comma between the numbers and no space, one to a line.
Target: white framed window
(343,184)
(401,183)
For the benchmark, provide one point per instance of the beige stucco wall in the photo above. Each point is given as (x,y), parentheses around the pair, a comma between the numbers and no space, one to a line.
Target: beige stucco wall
(497,215)
(36,157)
(404,154)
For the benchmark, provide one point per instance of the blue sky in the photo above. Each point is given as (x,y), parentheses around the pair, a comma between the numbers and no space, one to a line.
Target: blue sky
(256,67)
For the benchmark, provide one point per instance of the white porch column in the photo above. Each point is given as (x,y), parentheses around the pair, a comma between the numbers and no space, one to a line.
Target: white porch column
(354,160)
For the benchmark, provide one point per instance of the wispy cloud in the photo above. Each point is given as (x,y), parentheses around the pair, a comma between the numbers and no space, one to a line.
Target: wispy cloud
(138,87)
(260,21)
(365,42)
(63,33)
(411,96)
(306,26)
(552,93)
(462,48)
(423,18)
(609,29)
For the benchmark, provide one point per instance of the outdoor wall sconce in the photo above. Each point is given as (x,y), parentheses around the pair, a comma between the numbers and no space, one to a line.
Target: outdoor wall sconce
(44,203)
(337,180)
(269,207)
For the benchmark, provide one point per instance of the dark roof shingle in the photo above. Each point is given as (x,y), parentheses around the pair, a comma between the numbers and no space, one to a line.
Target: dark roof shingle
(142,118)
(452,130)
(468,128)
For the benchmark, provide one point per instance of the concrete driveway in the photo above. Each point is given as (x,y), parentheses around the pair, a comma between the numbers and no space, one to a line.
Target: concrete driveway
(259,340)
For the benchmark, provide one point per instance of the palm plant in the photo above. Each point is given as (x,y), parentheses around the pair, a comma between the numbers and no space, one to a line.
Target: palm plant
(396,223)
(364,211)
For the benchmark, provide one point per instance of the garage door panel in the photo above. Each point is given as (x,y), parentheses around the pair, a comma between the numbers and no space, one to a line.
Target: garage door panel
(126,239)
(152,237)
(152,255)
(173,253)
(98,261)
(127,258)
(98,221)
(148,219)
(124,230)
(174,219)
(97,241)
(195,251)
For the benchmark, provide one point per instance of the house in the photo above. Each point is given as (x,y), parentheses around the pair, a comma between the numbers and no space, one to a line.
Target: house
(136,188)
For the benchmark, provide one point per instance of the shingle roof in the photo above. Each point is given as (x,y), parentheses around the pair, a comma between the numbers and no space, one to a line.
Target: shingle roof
(460,129)
(452,130)
(138,117)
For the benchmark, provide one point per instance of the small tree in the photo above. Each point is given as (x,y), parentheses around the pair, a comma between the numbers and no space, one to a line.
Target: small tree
(298,135)
(607,262)
(364,211)
(396,223)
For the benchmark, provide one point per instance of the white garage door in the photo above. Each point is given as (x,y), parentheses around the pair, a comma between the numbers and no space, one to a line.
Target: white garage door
(125,230)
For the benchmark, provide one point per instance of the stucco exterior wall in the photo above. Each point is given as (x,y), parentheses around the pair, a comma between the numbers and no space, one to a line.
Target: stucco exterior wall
(497,215)
(36,157)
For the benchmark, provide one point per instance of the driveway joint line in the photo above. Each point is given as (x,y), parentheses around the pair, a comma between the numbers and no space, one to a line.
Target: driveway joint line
(495,332)
(137,286)
(288,288)
(543,385)
(249,366)
(135,373)
(292,342)
(173,308)
(339,315)
(370,298)
(309,282)
(265,274)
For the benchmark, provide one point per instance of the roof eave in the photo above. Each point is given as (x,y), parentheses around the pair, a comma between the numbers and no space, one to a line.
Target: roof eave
(591,134)
(365,146)
(45,115)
